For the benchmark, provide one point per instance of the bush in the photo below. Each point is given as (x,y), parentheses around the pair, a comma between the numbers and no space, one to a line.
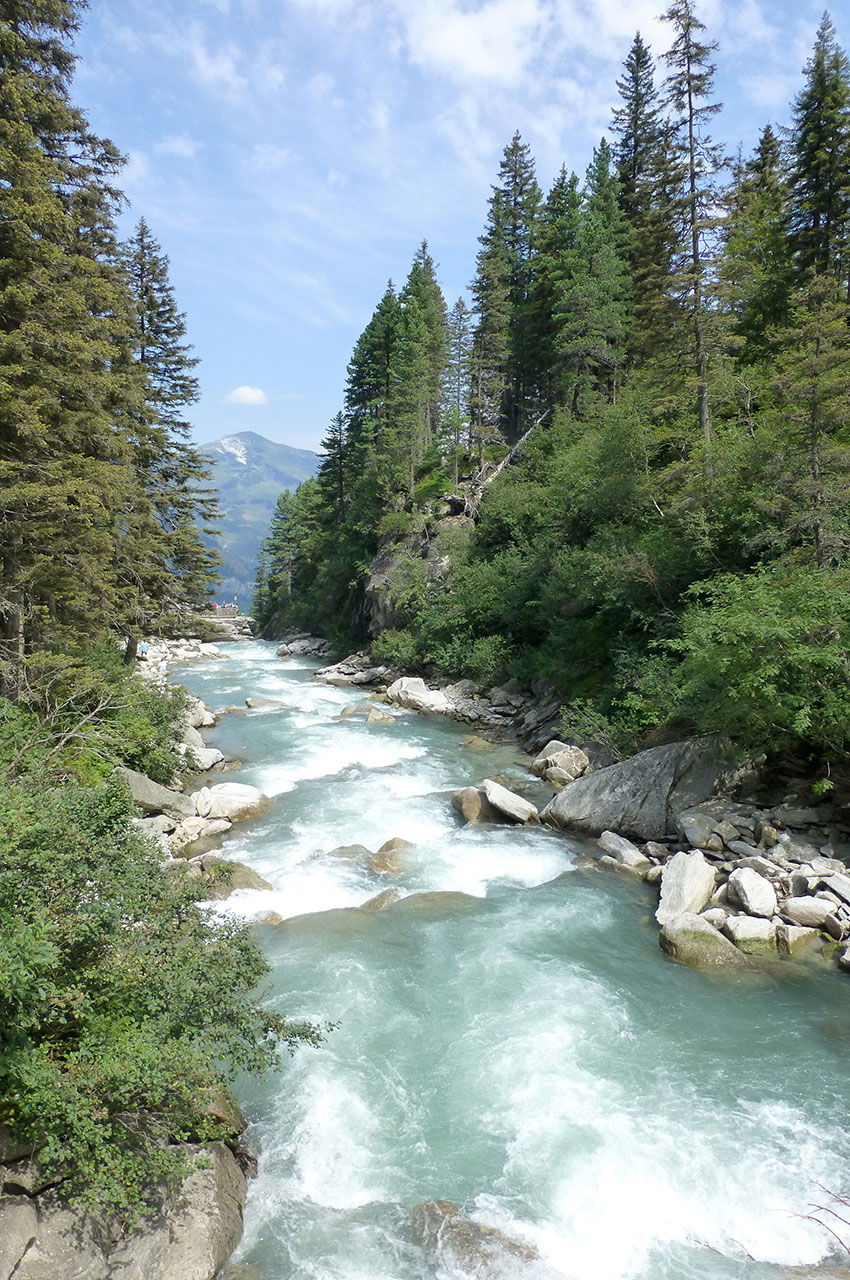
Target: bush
(764,659)
(124,1004)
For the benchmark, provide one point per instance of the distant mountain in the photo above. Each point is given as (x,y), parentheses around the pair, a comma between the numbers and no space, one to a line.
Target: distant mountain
(250,474)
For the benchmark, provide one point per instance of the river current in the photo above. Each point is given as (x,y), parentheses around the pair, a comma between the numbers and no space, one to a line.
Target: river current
(511,1039)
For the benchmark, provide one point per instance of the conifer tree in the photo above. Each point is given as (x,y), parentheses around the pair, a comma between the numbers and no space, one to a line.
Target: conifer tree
(423,287)
(688,86)
(756,267)
(592,301)
(556,239)
(67,387)
(456,422)
(820,179)
(168,548)
(504,334)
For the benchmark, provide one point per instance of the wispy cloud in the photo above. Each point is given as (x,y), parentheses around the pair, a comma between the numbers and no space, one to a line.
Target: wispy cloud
(246,395)
(177,144)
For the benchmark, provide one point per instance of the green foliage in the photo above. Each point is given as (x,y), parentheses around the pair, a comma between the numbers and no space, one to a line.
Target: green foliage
(125,1007)
(764,659)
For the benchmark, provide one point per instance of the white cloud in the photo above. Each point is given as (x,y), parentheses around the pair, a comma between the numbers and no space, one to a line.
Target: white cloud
(246,395)
(495,42)
(178,145)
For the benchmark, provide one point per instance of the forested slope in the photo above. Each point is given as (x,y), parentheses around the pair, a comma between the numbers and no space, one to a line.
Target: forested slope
(663,348)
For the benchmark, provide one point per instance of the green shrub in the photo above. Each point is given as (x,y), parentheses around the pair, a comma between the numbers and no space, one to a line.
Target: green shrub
(123,1004)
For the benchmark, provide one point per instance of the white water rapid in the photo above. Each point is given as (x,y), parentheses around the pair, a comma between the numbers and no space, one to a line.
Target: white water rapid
(521,1048)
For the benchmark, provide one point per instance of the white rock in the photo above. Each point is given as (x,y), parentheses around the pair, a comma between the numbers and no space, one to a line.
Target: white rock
(560,755)
(687,884)
(413,693)
(207,757)
(233,800)
(751,934)
(508,803)
(622,850)
(755,894)
(812,913)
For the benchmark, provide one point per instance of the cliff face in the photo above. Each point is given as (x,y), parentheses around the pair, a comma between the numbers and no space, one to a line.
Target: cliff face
(405,566)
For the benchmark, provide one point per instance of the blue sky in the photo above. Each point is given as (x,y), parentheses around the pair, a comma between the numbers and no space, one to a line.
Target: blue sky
(291,155)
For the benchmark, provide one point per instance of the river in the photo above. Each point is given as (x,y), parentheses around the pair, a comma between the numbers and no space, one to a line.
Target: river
(521,1048)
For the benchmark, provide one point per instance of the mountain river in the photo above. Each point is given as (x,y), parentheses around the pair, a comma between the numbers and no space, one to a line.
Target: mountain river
(518,1045)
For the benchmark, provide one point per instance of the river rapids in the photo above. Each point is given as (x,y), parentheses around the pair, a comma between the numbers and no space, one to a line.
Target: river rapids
(510,1039)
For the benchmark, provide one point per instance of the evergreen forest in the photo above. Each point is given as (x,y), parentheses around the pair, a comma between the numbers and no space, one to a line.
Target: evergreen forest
(124,1005)
(624,468)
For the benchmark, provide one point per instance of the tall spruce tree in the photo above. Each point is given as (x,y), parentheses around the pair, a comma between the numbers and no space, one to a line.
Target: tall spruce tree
(502,396)
(423,287)
(593,295)
(67,386)
(688,86)
(649,180)
(820,178)
(557,230)
(168,553)
(756,268)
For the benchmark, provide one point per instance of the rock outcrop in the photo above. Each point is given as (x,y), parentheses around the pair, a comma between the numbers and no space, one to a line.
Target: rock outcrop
(641,797)
(191,1237)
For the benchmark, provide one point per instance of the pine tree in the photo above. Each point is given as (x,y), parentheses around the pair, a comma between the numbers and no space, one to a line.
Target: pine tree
(502,399)
(67,387)
(756,268)
(688,87)
(556,239)
(456,433)
(593,294)
(168,550)
(649,181)
(820,180)
(423,287)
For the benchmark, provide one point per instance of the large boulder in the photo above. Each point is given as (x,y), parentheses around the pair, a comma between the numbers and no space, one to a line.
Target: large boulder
(508,804)
(691,940)
(640,797)
(413,693)
(811,913)
(198,1231)
(207,757)
(687,883)
(18,1225)
(472,804)
(753,935)
(153,798)
(753,892)
(224,878)
(233,800)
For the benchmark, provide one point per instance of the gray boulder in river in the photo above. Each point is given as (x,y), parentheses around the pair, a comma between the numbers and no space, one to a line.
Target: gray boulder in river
(640,797)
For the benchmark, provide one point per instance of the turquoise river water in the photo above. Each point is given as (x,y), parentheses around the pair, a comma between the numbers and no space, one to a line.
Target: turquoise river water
(520,1047)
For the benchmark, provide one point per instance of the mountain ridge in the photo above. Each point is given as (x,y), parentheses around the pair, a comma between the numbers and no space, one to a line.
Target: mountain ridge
(250,472)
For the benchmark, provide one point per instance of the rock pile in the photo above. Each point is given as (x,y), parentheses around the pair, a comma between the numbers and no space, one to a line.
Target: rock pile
(738,885)
(527,712)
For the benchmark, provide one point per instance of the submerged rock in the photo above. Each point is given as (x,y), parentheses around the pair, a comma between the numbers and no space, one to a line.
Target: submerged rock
(441,1229)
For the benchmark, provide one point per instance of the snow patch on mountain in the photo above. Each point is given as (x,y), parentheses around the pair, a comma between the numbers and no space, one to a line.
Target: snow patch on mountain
(232,444)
